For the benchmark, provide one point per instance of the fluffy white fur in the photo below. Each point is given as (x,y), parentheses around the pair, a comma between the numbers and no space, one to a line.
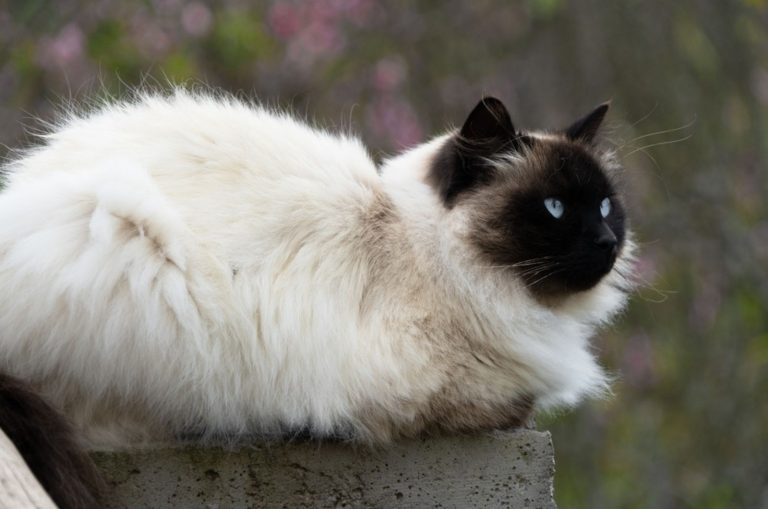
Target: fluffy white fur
(192,264)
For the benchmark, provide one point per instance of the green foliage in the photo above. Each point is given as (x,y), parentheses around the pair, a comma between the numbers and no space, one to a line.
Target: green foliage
(544,8)
(178,67)
(696,46)
(29,75)
(109,45)
(239,39)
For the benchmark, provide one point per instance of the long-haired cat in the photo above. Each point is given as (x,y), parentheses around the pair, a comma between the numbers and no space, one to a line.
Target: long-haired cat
(188,265)
(50,448)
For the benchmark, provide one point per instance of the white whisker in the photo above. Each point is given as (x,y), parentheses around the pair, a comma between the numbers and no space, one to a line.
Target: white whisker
(668,142)
(656,133)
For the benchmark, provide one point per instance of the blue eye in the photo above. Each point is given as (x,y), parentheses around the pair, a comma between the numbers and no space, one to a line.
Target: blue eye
(554,207)
(605,207)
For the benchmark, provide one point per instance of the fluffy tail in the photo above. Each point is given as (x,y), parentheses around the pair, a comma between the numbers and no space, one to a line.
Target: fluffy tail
(46,442)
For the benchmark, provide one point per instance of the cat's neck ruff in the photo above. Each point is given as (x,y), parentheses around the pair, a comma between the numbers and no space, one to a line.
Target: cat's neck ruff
(550,338)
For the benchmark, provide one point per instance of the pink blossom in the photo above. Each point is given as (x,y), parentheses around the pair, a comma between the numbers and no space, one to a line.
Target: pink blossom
(359,12)
(393,119)
(284,19)
(196,19)
(322,11)
(323,39)
(151,40)
(167,6)
(314,42)
(389,74)
(64,49)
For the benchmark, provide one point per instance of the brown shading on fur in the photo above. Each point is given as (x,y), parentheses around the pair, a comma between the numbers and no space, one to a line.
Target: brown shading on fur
(476,391)
(383,240)
(46,442)
(447,412)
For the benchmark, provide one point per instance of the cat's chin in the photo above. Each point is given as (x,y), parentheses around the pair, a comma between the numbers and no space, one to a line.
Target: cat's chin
(555,292)
(603,301)
(578,279)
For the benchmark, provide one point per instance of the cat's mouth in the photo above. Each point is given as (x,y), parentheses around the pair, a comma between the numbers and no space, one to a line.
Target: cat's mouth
(569,275)
(589,273)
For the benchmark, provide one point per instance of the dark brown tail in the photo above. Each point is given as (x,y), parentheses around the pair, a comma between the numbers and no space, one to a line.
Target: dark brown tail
(46,442)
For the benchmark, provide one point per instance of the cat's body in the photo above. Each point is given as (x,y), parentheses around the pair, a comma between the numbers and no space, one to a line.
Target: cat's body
(50,448)
(189,265)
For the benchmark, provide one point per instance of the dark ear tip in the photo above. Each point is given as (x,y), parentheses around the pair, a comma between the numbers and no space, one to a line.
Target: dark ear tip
(586,128)
(491,103)
(600,110)
(489,99)
(489,120)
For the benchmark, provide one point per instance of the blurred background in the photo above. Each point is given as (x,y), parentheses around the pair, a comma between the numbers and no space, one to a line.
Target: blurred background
(688,425)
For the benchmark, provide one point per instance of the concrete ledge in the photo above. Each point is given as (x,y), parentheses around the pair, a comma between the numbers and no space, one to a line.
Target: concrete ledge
(19,489)
(504,469)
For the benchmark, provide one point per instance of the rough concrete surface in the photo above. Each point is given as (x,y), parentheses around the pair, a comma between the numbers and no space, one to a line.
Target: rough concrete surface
(18,487)
(509,469)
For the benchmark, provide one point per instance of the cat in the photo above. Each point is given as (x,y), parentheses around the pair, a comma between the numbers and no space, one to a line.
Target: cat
(50,448)
(190,265)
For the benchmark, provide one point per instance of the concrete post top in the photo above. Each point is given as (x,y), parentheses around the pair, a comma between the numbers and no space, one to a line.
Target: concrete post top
(501,469)
(18,487)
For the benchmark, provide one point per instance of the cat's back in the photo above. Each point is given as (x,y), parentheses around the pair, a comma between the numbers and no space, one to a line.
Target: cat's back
(217,165)
(186,134)
(148,235)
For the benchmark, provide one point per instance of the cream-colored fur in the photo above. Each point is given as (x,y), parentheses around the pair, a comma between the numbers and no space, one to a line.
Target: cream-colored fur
(188,264)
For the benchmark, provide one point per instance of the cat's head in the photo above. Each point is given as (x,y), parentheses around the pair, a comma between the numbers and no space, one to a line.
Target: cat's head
(545,205)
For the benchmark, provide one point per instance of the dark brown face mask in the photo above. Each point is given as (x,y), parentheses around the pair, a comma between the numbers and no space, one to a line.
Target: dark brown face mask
(546,207)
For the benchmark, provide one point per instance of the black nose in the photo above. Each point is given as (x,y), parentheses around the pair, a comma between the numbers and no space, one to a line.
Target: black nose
(606,239)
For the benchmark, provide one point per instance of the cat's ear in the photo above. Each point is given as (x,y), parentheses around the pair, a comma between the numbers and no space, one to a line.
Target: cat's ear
(586,127)
(463,162)
(488,128)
